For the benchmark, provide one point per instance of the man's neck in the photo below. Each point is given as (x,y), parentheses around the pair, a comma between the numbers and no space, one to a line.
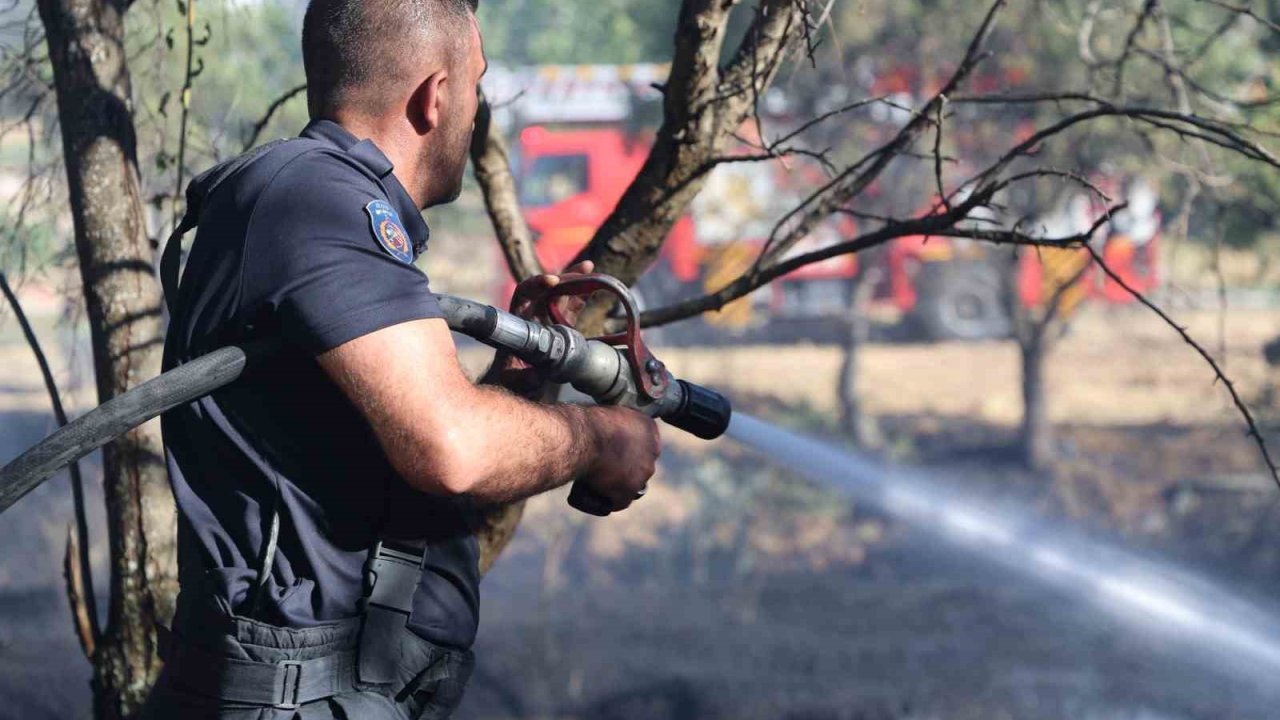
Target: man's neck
(395,144)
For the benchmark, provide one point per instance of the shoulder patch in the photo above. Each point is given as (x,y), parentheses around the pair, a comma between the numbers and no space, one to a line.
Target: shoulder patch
(388,231)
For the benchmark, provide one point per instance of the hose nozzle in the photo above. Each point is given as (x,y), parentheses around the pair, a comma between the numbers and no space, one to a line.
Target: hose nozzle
(702,412)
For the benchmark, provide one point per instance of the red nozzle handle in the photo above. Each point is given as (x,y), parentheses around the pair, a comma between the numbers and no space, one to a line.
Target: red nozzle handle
(649,372)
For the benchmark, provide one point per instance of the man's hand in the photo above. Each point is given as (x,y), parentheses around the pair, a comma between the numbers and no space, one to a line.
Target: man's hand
(629,447)
(528,294)
(511,372)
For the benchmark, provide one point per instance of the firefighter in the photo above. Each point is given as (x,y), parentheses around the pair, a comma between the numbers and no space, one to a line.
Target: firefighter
(328,505)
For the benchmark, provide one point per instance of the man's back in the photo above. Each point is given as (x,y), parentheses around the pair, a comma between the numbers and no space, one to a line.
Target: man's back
(287,248)
(328,564)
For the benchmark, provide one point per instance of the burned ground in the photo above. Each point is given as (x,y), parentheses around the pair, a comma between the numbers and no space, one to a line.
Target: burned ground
(736,591)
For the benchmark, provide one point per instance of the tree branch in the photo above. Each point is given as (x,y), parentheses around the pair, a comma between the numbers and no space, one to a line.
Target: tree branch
(800,221)
(1148,7)
(1246,11)
(80,593)
(702,108)
(489,161)
(188,78)
(1217,370)
(493,172)
(272,109)
(938,225)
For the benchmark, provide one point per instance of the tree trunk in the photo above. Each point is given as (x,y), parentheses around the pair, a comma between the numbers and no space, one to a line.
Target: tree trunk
(122,299)
(1031,331)
(1037,433)
(855,423)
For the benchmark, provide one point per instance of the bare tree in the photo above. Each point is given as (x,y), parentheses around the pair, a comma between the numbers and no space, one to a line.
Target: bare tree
(704,106)
(86,45)
(705,102)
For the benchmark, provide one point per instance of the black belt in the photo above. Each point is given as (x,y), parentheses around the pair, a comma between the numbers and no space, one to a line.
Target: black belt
(285,684)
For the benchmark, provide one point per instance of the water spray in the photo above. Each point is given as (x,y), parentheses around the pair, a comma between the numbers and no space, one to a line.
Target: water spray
(1140,590)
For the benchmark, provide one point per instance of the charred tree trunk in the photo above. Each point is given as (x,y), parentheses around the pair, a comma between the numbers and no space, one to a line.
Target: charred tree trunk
(122,299)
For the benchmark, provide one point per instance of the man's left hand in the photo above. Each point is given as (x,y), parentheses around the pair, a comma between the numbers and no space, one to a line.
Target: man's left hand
(527,302)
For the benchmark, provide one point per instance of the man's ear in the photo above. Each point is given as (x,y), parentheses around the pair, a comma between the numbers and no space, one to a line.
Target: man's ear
(427,103)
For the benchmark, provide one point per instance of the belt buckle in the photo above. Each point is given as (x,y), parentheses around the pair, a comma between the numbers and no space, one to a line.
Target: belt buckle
(392,577)
(289,673)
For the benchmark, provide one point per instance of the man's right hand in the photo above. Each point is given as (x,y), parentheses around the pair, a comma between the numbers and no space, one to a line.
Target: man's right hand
(627,450)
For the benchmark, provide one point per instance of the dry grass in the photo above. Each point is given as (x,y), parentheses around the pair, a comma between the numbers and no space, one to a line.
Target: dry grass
(1115,367)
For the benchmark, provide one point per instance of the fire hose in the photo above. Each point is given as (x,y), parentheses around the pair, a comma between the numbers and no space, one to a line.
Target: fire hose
(614,369)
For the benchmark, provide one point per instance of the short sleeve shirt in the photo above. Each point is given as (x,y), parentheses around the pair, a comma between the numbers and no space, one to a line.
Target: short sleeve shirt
(314,242)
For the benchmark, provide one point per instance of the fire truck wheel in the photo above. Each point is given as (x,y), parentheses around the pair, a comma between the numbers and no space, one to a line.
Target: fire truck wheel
(960,300)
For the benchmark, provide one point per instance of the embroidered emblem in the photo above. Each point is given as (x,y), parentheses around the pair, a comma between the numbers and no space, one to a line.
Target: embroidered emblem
(388,231)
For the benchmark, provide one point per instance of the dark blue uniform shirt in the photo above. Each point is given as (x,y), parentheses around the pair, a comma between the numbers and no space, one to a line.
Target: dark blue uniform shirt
(286,247)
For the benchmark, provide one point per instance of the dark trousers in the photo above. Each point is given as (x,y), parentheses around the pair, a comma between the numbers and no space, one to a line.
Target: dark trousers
(224,666)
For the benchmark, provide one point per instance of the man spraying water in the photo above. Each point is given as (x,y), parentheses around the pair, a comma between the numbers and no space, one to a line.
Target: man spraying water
(328,501)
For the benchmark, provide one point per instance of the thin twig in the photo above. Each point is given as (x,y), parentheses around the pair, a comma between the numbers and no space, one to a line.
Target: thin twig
(79,593)
(936,225)
(1217,370)
(1243,10)
(839,191)
(1147,8)
(272,109)
(90,610)
(937,154)
(188,78)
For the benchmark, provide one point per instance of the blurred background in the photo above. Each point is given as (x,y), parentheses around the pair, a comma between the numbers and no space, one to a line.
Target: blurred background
(740,587)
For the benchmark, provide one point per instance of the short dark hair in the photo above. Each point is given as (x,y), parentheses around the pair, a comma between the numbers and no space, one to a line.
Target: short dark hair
(367,46)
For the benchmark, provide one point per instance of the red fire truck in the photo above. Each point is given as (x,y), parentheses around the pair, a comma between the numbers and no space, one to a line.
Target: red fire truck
(578,146)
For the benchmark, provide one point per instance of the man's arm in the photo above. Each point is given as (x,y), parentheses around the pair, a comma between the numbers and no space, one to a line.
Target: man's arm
(444,435)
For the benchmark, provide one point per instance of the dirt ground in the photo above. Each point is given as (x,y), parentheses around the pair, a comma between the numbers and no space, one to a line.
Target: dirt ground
(1115,366)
